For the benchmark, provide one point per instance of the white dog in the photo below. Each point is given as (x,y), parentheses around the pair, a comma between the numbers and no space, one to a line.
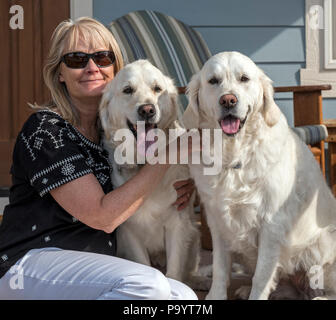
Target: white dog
(140,92)
(270,202)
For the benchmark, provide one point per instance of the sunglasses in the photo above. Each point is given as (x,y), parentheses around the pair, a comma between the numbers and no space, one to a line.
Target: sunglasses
(79,60)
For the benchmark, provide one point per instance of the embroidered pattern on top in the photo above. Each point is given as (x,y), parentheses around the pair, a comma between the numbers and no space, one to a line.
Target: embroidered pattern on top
(53,121)
(38,143)
(68,169)
(99,166)
(102,178)
(64,180)
(37,140)
(67,166)
(54,166)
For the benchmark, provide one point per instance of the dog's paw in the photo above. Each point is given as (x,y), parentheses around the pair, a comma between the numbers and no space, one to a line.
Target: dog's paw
(243,292)
(201,283)
(216,295)
(205,271)
(238,268)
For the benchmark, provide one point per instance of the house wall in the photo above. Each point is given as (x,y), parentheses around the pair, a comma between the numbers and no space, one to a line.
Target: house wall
(271,32)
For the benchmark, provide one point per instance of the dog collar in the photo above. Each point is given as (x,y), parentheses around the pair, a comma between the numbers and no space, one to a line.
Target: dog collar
(238,165)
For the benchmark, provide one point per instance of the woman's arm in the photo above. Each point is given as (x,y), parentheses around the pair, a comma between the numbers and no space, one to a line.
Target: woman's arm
(84,198)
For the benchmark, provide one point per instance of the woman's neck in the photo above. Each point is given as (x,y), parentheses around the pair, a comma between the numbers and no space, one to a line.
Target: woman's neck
(88,113)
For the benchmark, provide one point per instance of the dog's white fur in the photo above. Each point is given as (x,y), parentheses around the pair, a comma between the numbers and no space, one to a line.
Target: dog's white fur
(276,210)
(157,227)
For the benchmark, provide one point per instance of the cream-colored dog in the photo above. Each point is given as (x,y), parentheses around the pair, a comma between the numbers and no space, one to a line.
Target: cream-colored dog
(270,202)
(140,92)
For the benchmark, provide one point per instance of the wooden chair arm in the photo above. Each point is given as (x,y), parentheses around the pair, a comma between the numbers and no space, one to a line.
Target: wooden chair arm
(303,88)
(182,90)
(331,126)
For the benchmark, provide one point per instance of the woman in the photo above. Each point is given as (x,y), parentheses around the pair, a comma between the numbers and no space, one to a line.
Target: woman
(57,238)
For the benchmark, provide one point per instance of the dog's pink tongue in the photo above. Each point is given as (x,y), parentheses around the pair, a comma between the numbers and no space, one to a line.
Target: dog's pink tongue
(142,144)
(230,125)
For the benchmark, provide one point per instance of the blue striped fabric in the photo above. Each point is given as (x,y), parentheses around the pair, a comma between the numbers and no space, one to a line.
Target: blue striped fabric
(312,134)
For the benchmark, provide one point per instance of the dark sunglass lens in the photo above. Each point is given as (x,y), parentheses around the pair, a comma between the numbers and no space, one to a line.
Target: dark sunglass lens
(104,59)
(76,60)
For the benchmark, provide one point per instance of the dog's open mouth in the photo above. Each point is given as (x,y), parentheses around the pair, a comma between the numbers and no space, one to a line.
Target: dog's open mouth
(134,127)
(141,134)
(231,124)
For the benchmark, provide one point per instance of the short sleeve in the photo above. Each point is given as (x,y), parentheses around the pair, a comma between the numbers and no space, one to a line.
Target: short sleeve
(50,152)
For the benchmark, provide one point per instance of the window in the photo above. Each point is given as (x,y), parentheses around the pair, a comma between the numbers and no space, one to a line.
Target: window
(81,8)
(329,34)
(320,45)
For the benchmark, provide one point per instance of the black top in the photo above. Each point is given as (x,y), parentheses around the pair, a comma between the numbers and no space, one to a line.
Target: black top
(50,152)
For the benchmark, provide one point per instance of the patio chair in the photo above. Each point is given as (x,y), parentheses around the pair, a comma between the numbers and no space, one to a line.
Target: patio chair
(169,44)
(180,51)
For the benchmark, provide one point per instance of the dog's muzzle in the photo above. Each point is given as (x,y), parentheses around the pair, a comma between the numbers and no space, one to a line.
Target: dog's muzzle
(134,127)
(146,111)
(228,101)
(232,124)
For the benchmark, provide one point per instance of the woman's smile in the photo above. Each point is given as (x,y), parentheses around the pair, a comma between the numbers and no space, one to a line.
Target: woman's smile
(92,80)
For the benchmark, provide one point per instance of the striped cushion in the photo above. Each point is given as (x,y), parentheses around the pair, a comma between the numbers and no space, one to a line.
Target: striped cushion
(312,134)
(172,46)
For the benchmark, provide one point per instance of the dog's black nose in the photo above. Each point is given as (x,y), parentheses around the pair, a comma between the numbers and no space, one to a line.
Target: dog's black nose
(146,111)
(228,100)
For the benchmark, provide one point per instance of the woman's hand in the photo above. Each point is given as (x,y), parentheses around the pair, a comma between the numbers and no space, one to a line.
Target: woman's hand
(184,189)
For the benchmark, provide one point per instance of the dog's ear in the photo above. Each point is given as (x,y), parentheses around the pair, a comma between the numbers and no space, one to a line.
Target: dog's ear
(190,116)
(173,94)
(173,108)
(270,110)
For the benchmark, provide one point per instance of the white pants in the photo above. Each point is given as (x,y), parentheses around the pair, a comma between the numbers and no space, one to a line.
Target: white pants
(53,273)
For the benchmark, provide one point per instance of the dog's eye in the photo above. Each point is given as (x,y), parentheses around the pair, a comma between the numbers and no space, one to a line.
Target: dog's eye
(213,80)
(128,90)
(157,89)
(244,78)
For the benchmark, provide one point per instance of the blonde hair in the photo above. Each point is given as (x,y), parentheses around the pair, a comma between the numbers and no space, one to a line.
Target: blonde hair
(65,37)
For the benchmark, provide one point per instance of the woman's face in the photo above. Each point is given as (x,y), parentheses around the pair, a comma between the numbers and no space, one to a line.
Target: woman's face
(89,82)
